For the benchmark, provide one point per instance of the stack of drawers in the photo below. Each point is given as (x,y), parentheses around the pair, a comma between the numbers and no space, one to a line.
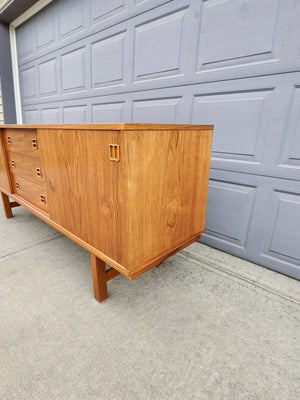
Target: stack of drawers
(25,166)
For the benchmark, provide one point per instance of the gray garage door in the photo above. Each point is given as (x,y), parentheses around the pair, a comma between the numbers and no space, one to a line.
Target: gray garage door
(231,63)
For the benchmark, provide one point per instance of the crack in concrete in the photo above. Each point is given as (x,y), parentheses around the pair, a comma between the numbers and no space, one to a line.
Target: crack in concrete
(37,243)
(209,264)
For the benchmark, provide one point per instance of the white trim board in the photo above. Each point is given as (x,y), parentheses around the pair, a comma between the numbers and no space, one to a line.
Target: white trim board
(15,71)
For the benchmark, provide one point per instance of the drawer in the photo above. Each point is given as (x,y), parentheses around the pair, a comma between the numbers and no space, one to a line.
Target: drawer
(26,167)
(32,192)
(23,141)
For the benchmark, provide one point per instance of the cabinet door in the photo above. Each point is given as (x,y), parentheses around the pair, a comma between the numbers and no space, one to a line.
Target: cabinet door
(86,186)
(5,182)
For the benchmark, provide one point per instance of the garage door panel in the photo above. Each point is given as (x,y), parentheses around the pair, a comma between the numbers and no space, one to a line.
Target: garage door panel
(229,208)
(235,32)
(26,41)
(106,8)
(73,70)
(246,38)
(273,233)
(108,60)
(31,116)
(28,83)
(240,120)
(46,27)
(290,150)
(50,116)
(108,112)
(141,4)
(72,17)
(156,110)
(284,221)
(158,47)
(48,74)
(75,115)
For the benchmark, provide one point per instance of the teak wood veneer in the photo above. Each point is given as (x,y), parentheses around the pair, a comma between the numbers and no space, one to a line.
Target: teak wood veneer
(131,194)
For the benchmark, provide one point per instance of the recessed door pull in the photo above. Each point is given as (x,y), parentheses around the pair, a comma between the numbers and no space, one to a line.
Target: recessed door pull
(114,152)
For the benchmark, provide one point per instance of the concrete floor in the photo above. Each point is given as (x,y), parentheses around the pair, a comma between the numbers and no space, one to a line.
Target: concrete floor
(204,325)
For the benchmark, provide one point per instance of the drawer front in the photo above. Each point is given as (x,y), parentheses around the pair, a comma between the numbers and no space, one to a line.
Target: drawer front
(23,141)
(32,192)
(5,182)
(26,167)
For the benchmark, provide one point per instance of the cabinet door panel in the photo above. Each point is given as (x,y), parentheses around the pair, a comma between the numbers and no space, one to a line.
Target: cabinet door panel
(87,190)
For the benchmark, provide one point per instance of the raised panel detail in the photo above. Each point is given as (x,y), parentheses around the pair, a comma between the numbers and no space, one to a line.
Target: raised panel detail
(71,16)
(105,8)
(155,111)
(26,42)
(50,116)
(283,235)
(235,32)
(229,208)
(239,122)
(158,46)
(45,31)
(48,77)
(31,117)
(107,60)
(74,115)
(291,135)
(104,113)
(72,65)
(151,3)
(28,83)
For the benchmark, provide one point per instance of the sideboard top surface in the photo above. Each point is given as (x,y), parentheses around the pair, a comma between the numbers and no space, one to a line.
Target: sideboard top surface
(112,126)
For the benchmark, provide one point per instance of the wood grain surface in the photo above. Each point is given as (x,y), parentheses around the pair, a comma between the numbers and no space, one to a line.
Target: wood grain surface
(27,167)
(32,192)
(168,179)
(21,141)
(87,191)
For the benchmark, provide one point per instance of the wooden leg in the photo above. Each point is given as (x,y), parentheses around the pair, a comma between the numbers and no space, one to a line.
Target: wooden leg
(6,205)
(99,278)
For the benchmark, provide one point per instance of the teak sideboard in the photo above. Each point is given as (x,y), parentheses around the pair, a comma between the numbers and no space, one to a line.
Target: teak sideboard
(131,194)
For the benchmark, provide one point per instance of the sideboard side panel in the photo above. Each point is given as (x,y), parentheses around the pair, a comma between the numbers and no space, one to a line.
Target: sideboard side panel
(5,182)
(87,191)
(168,176)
